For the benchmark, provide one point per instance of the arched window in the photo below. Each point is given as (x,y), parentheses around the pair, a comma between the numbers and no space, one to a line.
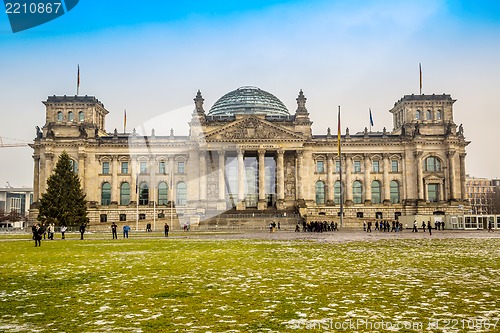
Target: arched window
(432,164)
(181,194)
(320,193)
(143,194)
(74,166)
(105,194)
(162,193)
(59,116)
(428,115)
(357,192)
(376,192)
(418,115)
(81,116)
(394,191)
(124,194)
(439,115)
(336,192)
(70,116)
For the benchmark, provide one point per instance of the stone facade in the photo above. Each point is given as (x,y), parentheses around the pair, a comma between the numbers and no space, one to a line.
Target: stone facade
(258,161)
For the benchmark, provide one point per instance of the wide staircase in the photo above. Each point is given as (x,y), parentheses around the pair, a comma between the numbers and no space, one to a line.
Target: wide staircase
(250,219)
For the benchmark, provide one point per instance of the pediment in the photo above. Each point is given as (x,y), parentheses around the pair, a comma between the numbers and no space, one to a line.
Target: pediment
(250,129)
(433,177)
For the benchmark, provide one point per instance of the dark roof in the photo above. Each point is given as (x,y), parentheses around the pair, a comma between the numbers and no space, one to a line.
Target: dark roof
(74,99)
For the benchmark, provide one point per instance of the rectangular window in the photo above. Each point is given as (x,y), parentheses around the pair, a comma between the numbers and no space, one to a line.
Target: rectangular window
(104,218)
(433,192)
(123,217)
(105,168)
(320,167)
(376,166)
(162,168)
(180,167)
(124,167)
(143,167)
(357,166)
(394,166)
(337,166)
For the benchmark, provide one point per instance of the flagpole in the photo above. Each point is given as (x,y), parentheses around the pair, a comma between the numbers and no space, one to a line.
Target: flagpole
(340,172)
(78,81)
(125,121)
(420,70)
(137,202)
(370,120)
(171,197)
(154,205)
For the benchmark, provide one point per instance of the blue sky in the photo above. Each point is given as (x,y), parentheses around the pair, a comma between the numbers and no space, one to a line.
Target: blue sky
(151,58)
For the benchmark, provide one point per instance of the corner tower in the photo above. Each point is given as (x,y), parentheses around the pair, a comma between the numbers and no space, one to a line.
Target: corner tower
(424,114)
(74,116)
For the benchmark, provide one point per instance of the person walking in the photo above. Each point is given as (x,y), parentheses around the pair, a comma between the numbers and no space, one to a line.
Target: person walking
(167,229)
(82,230)
(63,230)
(414,226)
(423,226)
(38,235)
(490,226)
(429,227)
(113,230)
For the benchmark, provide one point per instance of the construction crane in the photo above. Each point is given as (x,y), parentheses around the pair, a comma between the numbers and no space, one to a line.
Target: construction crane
(10,145)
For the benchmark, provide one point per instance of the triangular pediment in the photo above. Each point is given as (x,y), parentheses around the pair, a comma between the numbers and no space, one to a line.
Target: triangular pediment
(252,129)
(434,177)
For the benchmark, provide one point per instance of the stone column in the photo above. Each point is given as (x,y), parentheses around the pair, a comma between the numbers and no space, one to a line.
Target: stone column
(262,204)
(134,171)
(368,183)
(152,180)
(280,178)
(36,177)
(300,170)
(462,176)
(115,187)
(48,168)
(203,176)
(451,167)
(81,169)
(386,180)
(221,204)
(348,180)
(329,179)
(241,180)
(420,180)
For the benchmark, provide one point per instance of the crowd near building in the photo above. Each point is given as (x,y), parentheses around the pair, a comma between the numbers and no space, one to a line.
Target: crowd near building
(249,153)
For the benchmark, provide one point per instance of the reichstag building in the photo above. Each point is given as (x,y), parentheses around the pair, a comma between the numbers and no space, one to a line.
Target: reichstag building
(249,152)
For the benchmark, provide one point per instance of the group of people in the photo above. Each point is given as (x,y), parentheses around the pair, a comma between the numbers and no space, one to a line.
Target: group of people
(317,226)
(438,225)
(383,226)
(114,230)
(42,231)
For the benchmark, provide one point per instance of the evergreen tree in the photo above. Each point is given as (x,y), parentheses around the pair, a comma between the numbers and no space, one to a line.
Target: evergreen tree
(64,201)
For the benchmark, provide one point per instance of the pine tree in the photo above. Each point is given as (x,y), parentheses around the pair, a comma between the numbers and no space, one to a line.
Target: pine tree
(64,201)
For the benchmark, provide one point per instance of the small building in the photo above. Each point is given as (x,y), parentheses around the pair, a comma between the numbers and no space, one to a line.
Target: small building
(15,202)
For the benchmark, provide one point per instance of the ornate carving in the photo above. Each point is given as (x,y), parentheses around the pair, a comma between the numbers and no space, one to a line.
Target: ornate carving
(251,128)
(289,178)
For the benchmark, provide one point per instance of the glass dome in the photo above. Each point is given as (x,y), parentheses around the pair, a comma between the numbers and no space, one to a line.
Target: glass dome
(248,100)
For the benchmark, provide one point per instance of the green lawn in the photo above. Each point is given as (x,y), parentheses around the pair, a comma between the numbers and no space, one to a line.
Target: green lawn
(204,285)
